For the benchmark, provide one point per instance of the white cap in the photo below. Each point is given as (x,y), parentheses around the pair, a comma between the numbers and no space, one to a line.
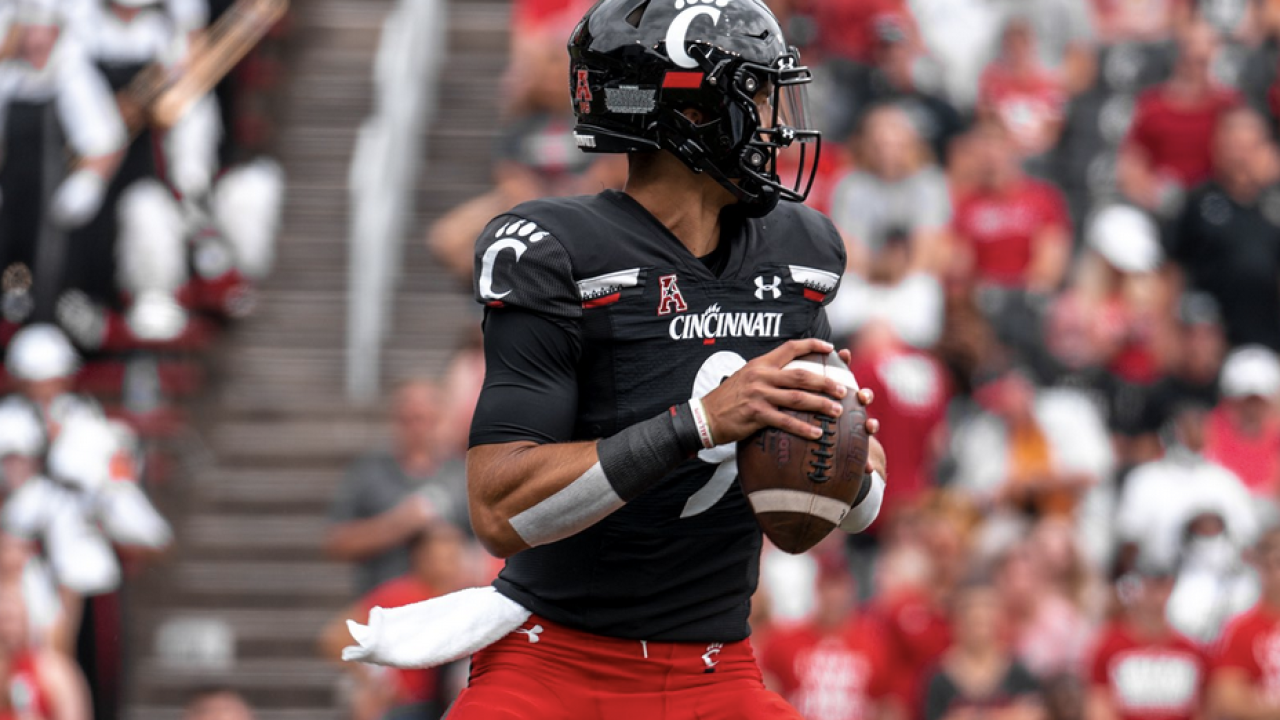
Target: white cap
(41,352)
(1126,238)
(1251,370)
(81,456)
(20,431)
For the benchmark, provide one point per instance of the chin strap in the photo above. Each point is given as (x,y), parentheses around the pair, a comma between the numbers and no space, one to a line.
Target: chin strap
(694,155)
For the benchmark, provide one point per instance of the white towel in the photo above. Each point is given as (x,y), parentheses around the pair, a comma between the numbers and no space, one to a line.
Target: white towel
(435,632)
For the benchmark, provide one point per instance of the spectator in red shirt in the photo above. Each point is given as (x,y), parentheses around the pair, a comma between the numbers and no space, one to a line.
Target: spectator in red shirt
(912,391)
(833,666)
(1244,680)
(437,569)
(847,30)
(1142,669)
(1168,150)
(1012,231)
(1243,432)
(915,581)
(1046,630)
(1020,94)
(1116,289)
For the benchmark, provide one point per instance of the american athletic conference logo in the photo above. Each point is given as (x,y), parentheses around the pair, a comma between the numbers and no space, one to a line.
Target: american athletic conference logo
(669,298)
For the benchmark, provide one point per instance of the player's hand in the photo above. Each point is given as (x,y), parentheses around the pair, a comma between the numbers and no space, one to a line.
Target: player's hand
(750,399)
(866,396)
(414,512)
(876,460)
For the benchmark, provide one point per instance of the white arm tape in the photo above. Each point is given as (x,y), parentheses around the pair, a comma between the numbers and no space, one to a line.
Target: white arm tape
(865,512)
(579,505)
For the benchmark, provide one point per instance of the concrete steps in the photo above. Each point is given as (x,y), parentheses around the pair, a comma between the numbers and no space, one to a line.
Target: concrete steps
(242,597)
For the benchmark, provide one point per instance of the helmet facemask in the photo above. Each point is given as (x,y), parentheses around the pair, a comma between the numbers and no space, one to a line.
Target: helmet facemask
(738,147)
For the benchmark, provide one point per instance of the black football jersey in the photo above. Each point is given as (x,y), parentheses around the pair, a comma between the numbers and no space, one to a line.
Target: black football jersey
(653,326)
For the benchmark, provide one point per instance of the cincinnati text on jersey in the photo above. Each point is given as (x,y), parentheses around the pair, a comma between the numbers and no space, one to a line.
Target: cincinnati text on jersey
(713,324)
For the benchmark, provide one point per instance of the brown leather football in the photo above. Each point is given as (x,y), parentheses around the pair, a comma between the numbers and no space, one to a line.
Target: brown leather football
(800,489)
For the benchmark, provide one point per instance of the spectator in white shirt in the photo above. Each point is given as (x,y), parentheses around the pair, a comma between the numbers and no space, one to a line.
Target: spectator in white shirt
(1162,497)
(893,213)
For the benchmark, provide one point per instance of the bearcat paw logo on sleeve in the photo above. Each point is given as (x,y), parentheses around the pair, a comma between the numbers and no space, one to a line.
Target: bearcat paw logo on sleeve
(515,236)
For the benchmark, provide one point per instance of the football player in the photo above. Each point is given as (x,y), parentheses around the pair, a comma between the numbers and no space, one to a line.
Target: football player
(631,339)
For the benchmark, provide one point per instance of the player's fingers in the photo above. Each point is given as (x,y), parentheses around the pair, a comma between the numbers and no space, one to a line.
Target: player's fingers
(846,356)
(872,425)
(802,401)
(789,424)
(806,380)
(792,349)
(876,460)
(866,396)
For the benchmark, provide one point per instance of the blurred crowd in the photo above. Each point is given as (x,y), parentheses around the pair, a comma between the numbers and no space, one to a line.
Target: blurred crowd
(126,238)
(1063,229)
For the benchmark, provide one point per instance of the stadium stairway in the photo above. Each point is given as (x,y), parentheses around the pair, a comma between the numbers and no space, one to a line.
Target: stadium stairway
(241,598)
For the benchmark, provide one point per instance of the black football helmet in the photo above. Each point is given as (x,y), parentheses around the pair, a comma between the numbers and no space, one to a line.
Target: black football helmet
(635,65)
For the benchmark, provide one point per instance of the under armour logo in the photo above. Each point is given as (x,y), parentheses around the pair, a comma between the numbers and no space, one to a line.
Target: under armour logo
(532,632)
(762,287)
(709,657)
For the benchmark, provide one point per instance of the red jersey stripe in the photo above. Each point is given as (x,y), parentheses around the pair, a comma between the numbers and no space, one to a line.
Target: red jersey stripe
(602,300)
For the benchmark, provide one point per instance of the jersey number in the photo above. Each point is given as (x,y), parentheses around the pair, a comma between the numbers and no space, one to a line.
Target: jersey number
(713,372)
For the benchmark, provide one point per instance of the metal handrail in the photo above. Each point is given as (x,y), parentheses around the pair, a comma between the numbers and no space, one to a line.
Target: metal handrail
(384,168)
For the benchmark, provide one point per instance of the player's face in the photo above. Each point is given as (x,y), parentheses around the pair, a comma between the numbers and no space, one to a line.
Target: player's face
(764,103)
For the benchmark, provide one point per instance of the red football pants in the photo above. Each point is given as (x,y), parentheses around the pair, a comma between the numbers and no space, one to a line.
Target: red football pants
(546,671)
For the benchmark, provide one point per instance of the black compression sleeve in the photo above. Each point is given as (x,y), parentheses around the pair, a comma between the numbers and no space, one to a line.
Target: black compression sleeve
(639,457)
(530,383)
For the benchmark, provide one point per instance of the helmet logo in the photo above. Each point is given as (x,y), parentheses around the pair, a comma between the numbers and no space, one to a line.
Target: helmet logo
(679,30)
(582,93)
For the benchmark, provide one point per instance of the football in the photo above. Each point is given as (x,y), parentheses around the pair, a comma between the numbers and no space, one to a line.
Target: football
(800,489)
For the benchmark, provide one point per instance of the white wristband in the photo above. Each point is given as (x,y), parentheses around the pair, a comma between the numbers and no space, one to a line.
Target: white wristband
(864,513)
(700,420)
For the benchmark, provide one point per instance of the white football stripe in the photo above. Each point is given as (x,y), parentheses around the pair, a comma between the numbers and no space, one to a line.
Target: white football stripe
(839,373)
(812,277)
(590,287)
(798,501)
